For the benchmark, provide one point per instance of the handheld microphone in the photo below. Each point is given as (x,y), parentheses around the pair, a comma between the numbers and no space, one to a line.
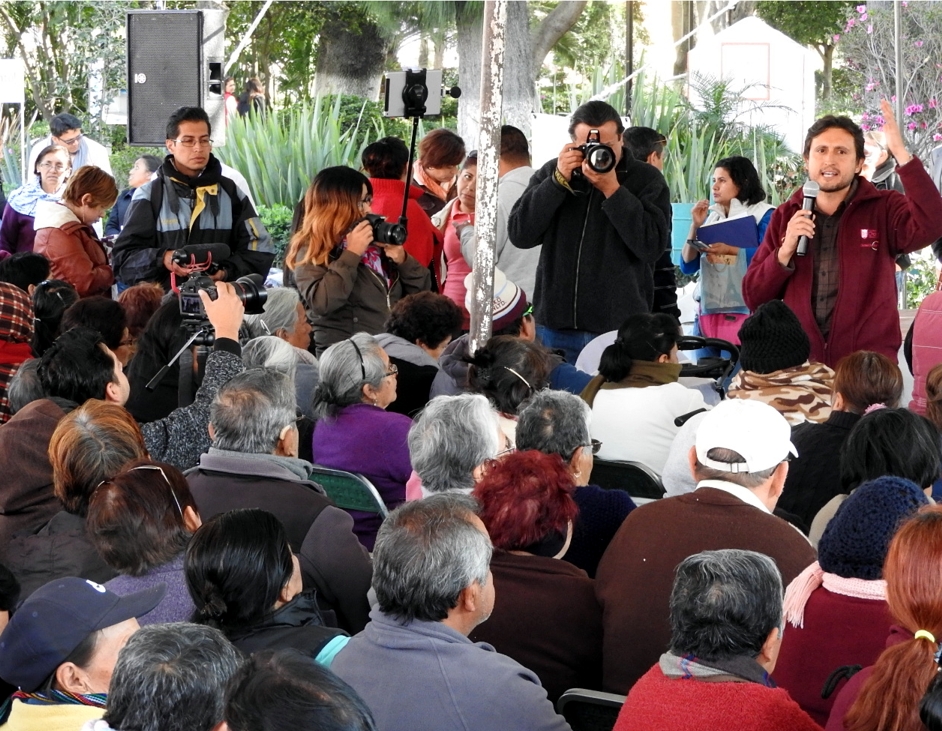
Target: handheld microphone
(810,192)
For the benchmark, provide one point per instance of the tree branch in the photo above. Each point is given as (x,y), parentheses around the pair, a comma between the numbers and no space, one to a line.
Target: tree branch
(553,27)
(35,83)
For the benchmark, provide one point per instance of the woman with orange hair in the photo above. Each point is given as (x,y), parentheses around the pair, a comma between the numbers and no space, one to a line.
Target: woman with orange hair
(528,510)
(65,236)
(886,695)
(348,281)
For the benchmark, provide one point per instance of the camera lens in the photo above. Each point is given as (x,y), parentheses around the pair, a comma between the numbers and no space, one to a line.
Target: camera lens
(251,290)
(601,158)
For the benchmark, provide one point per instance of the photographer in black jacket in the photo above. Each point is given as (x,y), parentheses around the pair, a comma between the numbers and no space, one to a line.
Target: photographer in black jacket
(601,233)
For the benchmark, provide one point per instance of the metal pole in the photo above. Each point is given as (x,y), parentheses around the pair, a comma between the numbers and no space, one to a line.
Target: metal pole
(482,277)
(247,37)
(898,31)
(629,53)
(23,179)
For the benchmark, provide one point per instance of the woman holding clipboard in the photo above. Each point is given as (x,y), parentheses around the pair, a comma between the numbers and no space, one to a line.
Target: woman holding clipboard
(723,237)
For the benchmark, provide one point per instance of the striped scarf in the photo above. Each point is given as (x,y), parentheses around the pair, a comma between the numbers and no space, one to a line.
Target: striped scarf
(61,697)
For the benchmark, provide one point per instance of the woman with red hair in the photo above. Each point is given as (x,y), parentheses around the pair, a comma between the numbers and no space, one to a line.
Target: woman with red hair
(546,616)
(886,695)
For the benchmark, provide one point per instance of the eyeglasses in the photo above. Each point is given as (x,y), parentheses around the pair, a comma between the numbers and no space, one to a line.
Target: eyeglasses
(509,448)
(392,371)
(164,475)
(595,445)
(74,141)
(54,166)
(194,142)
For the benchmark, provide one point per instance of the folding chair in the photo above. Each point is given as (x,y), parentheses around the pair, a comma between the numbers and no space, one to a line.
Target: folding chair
(349,491)
(632,477)
(589,710)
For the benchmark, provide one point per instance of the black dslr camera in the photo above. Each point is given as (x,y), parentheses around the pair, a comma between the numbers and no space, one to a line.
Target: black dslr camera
(250,289)
(386,233)
(601,158)
(201,261)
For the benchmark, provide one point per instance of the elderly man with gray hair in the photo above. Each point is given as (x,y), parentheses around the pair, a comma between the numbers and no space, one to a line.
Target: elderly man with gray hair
(726,629)
(253,463)
(557,422)
(449,443)
(171,676)
(414,664)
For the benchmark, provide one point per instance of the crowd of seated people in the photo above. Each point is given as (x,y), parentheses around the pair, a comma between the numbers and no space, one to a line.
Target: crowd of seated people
(183,560)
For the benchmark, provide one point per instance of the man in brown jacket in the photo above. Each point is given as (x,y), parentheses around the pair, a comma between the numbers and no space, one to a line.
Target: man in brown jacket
(739,462)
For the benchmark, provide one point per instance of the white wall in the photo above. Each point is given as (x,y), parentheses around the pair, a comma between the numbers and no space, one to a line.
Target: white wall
(779,72)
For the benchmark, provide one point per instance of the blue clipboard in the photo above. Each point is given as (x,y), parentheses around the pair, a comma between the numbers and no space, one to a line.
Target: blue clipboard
(741,232)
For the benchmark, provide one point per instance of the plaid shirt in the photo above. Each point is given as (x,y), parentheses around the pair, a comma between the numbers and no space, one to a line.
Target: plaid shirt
(16,332)
(827,263)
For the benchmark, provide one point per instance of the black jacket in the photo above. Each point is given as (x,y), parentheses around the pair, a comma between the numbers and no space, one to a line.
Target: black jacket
(597,262)
(814,477)
(332,559)
(159,218)
(297,625)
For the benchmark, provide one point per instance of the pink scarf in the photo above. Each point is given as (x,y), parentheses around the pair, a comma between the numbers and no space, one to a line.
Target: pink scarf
(803,585)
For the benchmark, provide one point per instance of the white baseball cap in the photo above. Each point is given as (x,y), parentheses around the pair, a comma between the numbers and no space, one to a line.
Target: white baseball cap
(753,429)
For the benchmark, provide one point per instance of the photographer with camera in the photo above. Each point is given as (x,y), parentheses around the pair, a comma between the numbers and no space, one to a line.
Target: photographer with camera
(603,220)
(349,265)
(190,202)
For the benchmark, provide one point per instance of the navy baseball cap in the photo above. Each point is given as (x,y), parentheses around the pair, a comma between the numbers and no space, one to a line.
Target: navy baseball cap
(56,618)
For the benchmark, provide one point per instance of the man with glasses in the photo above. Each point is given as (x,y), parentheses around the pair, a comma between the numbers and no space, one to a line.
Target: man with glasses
(190,201)
(66,130)
(740,461)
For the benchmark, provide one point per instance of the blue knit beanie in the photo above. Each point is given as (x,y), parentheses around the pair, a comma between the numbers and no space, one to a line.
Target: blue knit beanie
(855,542)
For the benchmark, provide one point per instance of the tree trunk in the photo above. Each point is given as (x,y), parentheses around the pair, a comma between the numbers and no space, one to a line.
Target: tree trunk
(350,58)
(469,30)
(524,56)
(681,25)
(828,57)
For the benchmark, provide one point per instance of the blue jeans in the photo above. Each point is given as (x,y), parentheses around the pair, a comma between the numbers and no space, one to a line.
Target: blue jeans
(571,342)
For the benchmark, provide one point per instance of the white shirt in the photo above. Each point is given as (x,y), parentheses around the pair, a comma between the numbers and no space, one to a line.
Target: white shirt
(737,491)
(637,424)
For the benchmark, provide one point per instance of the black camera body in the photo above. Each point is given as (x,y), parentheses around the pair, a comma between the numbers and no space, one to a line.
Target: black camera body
(601,158)
(250,289)
(386,233)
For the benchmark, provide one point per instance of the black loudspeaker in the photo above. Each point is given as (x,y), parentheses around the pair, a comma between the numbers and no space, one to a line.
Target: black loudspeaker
(175,59)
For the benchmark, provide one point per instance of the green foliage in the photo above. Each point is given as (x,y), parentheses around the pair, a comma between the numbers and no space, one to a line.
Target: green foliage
(123,157)
(61,43)
(277,221)
(697,137)
(283,48)
(921,278)
(280,153)
(810,23)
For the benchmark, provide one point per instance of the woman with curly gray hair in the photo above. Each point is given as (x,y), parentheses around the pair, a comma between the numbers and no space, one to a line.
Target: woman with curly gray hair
(354,432)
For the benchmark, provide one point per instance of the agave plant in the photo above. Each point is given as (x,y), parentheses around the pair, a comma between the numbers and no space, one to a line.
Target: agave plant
(280,153)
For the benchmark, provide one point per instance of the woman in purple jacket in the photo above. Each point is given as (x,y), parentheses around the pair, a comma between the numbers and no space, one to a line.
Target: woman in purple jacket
(53,166)
(354,432)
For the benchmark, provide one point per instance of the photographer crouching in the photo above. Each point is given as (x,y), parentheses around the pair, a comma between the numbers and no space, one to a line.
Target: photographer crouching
(349,265)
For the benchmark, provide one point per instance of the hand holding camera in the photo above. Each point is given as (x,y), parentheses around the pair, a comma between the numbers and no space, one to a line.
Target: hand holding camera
(225,311)
(570,158)
(360,237)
